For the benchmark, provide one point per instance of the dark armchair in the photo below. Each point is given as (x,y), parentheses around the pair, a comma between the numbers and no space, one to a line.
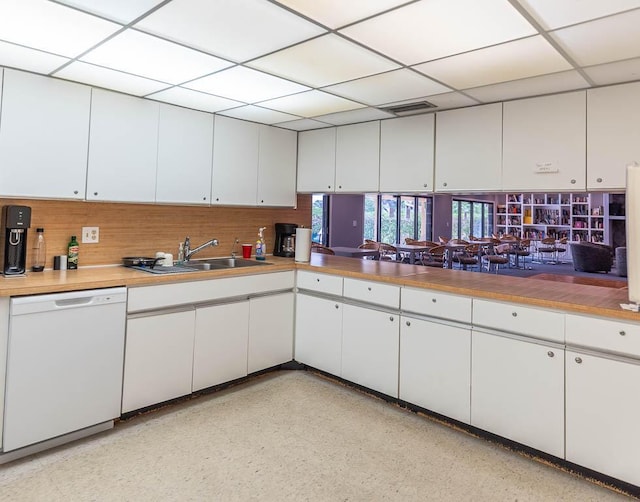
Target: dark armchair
(590,257)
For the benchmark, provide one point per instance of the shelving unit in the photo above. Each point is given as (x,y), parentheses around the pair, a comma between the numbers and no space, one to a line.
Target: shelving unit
(578,217)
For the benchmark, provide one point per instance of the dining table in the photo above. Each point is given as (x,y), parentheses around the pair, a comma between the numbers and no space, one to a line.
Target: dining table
(355,252)
(411,250)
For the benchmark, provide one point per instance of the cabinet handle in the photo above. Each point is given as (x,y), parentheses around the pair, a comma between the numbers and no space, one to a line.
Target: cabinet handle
(433,300)
(599,180)
(444,184)
(391,318)
(339,186)
(318,280)
(369,288)
(622,333)
(579,360)
(425,185)
(550,353)
(573,182)
(75,192)
(204,198)
(95,193)
(514,314)
(337,306)
(262,201)
(217,199)
(408,323)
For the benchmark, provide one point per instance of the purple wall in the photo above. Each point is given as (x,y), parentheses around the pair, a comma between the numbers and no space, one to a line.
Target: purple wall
(344,210)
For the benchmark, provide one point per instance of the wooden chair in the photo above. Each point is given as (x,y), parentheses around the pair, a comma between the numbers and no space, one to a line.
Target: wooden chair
(434,257)
(369,244)
(316,247)
(496,254)
(468,257)
(561,249)
(547,246)
(387,251)
(522,250)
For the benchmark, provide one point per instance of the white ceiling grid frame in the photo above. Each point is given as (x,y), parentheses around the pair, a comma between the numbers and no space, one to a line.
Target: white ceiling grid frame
(258,114)
(554,14)
(50,27)
(324,61)
(432,29)
(612,73)
(527,57)
(29,59)
(311,104)
(246,84)
(237,30)
(121,11)
(148,56)
(387,87)
(194,99)
(602,41)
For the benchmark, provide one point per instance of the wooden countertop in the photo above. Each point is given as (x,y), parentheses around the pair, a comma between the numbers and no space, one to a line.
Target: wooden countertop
(584,299)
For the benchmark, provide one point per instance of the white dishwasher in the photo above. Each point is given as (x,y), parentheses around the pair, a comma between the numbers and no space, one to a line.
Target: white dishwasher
(64,364)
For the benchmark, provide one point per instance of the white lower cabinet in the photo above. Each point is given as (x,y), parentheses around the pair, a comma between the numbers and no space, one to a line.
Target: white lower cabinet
(518,391)
(319,333)
(221,341)
(602,410)
(370,346)
(435,367)
(158,358)
(270,331)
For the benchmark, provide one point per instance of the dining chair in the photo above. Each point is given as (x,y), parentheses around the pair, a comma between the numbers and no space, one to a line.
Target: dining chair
(387,251)
(434,257)
(369,244)
(496,254)
(316,247)
(547,246)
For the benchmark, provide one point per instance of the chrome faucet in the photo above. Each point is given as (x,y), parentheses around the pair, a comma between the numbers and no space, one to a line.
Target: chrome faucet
(188,252)
(233,248)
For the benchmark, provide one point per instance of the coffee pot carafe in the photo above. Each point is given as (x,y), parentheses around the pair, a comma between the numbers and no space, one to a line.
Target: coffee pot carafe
(285,240)
(15,222)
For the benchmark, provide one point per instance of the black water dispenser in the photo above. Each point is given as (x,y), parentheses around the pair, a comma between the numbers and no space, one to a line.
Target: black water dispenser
(15,222)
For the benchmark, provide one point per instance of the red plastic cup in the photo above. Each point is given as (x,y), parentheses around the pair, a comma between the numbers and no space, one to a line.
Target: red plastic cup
(246,250)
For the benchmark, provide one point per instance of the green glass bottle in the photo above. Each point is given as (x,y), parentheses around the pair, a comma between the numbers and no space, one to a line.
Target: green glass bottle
(74,247)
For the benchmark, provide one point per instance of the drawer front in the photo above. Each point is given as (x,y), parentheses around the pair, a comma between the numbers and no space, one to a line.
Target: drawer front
(372,292)
(513,318)
(431,303)
(322,283)
(604,334)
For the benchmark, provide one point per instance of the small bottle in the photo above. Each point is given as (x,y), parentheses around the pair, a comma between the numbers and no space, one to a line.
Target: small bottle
(180,259)
(260,245)
(40,251)
(74,248)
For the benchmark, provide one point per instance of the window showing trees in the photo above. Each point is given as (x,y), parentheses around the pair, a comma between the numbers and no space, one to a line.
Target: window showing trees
(471,218)
(392,218)
(319,219)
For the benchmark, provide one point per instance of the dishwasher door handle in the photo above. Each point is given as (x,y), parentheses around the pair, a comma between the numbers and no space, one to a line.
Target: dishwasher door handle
(75,302)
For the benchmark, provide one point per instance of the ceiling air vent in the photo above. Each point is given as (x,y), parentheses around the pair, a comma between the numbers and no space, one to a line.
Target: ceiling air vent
(410,108)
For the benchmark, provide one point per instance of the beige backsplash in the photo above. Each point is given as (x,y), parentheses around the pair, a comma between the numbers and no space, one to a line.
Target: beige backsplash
(143,229)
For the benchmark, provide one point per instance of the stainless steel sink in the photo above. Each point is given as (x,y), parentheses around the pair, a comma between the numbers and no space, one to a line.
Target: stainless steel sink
(222,263)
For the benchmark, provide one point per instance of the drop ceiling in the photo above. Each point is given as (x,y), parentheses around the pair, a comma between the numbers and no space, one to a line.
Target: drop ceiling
(305,64)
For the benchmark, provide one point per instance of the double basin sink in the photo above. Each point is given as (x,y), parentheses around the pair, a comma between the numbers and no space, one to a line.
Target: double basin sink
(222,263)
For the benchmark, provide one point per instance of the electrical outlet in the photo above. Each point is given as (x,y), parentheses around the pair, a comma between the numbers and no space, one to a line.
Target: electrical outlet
(90,235)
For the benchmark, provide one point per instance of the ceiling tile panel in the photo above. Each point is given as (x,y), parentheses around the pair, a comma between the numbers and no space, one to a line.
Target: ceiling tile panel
(122,11)
(433,29)
(612,73)
(603,41)
(324,61)
(51,27)
(16,56)
(194,99)
(151,57)
(527,57)
(535,86)
(109,79)
(258,114)
(302,125)
(238,30)
(246,85)
(388,87)
(553,14)
(353,116)
(337,13)
(311,104)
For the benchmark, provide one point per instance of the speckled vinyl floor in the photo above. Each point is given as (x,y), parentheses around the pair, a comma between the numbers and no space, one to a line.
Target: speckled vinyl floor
(288,436)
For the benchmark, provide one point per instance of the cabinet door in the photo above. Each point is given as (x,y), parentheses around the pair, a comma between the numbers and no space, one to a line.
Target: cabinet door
(158,359)
(602,415)
(277,167)
(406,154)
(235,162)
(435,367)
(544,143)
(44,137)
(469,149)
(612,135)
(185,151)
(270,331)
(317,160)
(319,333)
(518,391)
(370,348)
(123,148)
(358,157)
(220,347)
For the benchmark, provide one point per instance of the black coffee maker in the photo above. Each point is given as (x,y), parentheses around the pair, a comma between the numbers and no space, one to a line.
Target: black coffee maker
(285,240)
(15,222)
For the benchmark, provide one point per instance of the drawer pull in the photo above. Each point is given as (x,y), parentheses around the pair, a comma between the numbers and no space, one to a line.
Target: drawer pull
(317,280)
(622,333)
(408,323)
(337,306)
(369,288)
(579,360)
(550,353)
(599,180)
(434,300)
(514,314)
(391,318)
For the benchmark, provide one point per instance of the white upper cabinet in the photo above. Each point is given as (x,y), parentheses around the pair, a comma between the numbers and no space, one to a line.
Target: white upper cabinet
(469,149)
(123,148)
(317,160)
(235,162)
(544,143)
(277,167)
(613,130)
(358,157)
(44,131)
(185,150)
(406,154)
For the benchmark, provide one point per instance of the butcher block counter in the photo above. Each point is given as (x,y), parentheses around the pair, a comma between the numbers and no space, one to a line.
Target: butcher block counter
(588,299)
